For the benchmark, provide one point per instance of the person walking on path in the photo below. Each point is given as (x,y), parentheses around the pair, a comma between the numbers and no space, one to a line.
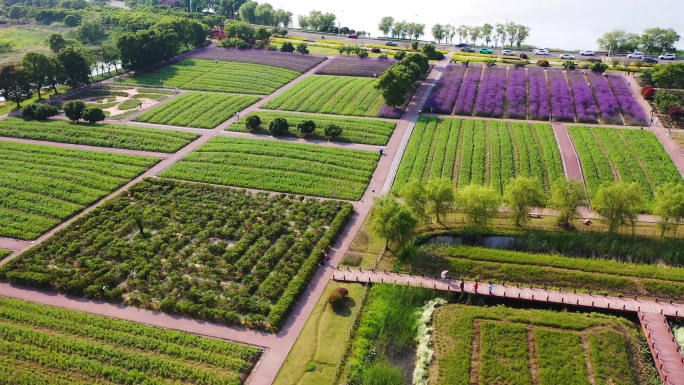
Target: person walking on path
(476,286)
(490,288)
(444,274)
(462,285)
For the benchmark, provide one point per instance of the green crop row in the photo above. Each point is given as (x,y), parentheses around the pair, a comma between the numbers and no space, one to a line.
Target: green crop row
(560,357)
(221,76)
(195,109)
(354,130)
(96,348)
(102,135)
(339,95)
(41,186)
(504,357)
(279,166)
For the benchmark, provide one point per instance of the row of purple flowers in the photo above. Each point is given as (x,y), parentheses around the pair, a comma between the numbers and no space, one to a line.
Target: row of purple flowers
(491,95)
(631,110)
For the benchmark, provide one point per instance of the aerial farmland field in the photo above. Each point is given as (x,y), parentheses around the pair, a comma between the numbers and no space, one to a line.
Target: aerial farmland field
(207,75)
(197,109)
(49,345)
(40,186)
(279,166)
(480,152)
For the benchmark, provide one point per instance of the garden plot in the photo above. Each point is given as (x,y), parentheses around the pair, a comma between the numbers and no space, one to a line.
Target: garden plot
(119,102)
(41,186)
(354,66)
(213,253)
(291,61)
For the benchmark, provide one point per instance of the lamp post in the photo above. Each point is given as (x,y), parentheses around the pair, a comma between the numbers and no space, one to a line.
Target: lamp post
(339,25)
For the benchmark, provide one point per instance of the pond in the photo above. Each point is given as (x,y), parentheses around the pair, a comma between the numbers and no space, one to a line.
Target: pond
(491,242)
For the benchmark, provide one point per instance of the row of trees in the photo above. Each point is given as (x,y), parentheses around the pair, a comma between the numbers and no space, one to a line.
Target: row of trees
(398,80)
(618,202)
(264,14)
(401,29)
(325,22)
(652,41)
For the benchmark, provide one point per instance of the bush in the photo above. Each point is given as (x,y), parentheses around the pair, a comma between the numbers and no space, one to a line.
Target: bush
(343,291)
(363,54)
(648,93)
(523,56)
(414,45)
(399,55)
(430,51)
(332,131)
(287,47)
(28,112)
(569,65)
(490,63)
(676,113)
(278,126)
(375,50)
(270,47)
(45,111)
(306,127)
(598,67)
(302,48)
(73,109)
(521,64)
(93,115)
(252,122)
(383,56)
(336,300)
(310,367)
(543,63)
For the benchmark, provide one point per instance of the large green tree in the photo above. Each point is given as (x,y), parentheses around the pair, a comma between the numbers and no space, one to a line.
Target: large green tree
(14,83)
(247,11)
(668,76)
(415,198)
(486,32)
(56,42)
(438,32)
(619,41)
(394,84)
(440,196)
(75,65)
(392,221)
(479,203)
(56,74)
(659,40)
(619,203)
(669,205)
(521,194)
(37,67)
(567,197)
(385,25)
(240,30)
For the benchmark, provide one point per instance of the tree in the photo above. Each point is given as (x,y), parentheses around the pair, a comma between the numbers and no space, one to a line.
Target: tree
(486,32)
(336,300)
(386,24)
(415,198)
(619,41)
(475,33)
(480,203)
(500,33)
(306,127)
(659,40)
(511,32)
(73,109)
(111,56)
(278,126)
(669,205)
(598,67)
(70,21)
(438,32)
(394,84)
(264,13)
(56,74)
(430,51)
(287,47)
(392,221)
(252,122)
(239,29)
(440,196)
(57,42)
(282,18)
(522,33)
(462,32)
(520,194)
(247,11)
(362,54)
(302,48)
(332,131)
(669,76)
(566,197)
(418,30)
(14,83)
(16,12)
(75,65)
(93,115)
(39,111)
(619,202)
(261,33)
(36,66)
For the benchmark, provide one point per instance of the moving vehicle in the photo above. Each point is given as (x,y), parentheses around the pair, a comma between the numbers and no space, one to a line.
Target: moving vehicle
(507,52)
(667,56)
(486,50)
(541,51)
(460,45)
(648,59)
(352,37)
(467,49)
(567,56)
(636,55)
(587,53)
(391,44)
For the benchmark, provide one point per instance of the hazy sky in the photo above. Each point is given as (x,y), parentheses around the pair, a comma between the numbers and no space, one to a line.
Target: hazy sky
(563,24)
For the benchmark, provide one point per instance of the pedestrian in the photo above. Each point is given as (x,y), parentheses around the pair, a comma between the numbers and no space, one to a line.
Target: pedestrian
(238,115)
(668,132)
(444,274)
(215,61)
(651,120)
(462,285)
(382,152)
(490,288)
(476,286)
(641,128)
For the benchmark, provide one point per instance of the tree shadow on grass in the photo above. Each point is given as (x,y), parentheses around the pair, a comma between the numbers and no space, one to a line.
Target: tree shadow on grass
(345,310)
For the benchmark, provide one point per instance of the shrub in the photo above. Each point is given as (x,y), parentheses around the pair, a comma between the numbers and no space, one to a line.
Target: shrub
(343,291)
(252,122)
(399,55)
(243,45)
(336,300)
(375,50)
(521,64)
(676,113)
(93,115)
(302,48)
(648,93)
(383,56)
(598,67)
(28,112)
(310,367)
(45,111)
(278,126)
(414,45)
(287,47)
(271,47)
(490,63)
(332,131)
(569,65)
(363,54)
(306,127)
(543,63)
(584,66)
(523,56)
(73,109)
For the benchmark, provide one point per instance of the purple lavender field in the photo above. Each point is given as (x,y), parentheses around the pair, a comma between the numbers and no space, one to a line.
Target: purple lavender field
(354,66)
(292,61)
(535,93)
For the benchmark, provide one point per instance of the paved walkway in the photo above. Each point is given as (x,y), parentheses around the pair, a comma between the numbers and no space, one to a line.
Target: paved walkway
(571,162)
(664,349)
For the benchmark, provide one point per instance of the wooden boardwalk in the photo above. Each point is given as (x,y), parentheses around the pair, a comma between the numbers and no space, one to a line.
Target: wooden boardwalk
(651,313)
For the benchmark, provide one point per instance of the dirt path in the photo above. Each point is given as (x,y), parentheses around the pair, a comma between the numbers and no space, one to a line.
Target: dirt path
(571,162)
(73,146)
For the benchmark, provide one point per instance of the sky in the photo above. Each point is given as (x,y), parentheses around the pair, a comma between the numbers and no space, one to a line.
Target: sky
(569,25)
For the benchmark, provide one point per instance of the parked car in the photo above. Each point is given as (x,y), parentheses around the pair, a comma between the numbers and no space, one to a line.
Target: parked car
(507,52)
(587,53)
(636,55)
(467,49)
(391,44)
(667,56)
(567,56)
(352,36)
(541,51)
(486,50)
(648,59)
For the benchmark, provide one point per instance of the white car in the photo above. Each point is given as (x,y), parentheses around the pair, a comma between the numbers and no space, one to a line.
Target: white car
(507,53)
(567,56)
(541,51)
(636,55)
(667,56)
(587,53)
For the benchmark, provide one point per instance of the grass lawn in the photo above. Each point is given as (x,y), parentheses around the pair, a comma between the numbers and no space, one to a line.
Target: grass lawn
(321,342)
(364,250)
(7,107)
(679,139)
